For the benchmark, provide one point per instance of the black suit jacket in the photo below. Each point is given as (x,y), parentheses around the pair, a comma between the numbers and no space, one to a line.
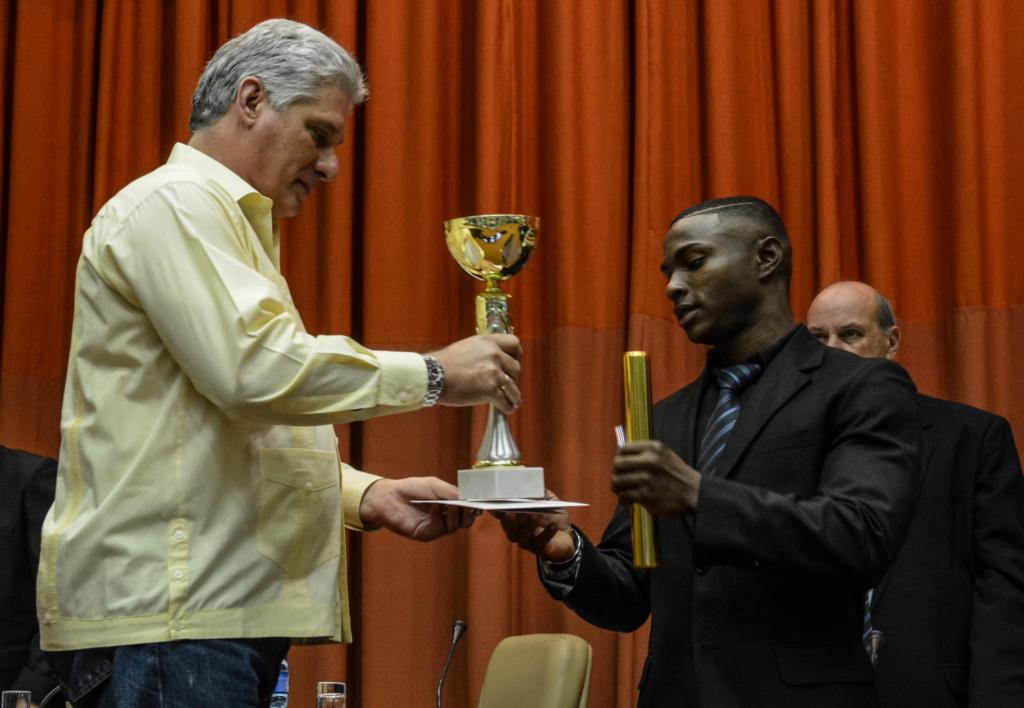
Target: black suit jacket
(26,493)
(759,597)
(951,608)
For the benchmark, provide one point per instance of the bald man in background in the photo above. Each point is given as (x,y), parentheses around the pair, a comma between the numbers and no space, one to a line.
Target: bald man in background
(949,614)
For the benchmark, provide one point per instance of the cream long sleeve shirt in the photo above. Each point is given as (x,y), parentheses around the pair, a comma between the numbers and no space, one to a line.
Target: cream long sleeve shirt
(200,493)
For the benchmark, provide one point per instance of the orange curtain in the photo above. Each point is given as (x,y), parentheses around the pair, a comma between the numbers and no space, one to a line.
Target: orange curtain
(884,132)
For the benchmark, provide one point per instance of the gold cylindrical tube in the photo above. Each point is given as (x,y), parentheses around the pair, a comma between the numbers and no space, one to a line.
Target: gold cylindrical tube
(639,426)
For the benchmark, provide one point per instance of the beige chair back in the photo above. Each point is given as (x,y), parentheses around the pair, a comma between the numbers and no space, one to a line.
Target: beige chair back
(538,671)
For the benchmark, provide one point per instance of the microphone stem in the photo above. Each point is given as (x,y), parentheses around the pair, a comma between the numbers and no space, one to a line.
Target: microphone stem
(457,631)
(444,673)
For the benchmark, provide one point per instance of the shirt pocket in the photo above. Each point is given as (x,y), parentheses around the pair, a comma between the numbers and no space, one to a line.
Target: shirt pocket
(300,508)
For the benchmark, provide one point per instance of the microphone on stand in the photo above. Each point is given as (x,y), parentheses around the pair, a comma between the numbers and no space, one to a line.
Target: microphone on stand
(458,629)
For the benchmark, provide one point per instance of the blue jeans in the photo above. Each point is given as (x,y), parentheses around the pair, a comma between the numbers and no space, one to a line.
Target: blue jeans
(219,673)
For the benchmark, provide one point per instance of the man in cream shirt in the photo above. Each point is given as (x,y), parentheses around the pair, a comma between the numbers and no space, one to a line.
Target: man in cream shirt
(200,505)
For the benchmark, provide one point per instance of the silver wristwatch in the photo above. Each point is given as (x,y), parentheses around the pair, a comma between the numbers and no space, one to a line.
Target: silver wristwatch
(435,381)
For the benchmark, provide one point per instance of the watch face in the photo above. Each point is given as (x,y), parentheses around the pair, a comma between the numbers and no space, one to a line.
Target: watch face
(435,374)
(435,381)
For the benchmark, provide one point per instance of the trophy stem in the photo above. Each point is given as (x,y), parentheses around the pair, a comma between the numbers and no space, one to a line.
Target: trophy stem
(492,311)
(492,283)
(498,448)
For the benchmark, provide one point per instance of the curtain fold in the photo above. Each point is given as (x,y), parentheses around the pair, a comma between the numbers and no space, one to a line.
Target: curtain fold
(884,132)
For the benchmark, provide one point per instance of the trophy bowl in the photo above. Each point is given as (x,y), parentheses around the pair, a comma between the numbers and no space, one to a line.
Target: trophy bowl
(491,246)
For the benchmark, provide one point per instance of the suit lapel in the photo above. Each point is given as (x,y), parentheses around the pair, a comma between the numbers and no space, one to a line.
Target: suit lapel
(781,380)
(927,450)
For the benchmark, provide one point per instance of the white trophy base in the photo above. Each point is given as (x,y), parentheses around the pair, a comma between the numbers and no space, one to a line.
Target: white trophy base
(485,483)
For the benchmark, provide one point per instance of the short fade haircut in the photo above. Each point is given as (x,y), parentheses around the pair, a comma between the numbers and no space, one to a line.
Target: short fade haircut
(294,62)
(756,210)
(884,313)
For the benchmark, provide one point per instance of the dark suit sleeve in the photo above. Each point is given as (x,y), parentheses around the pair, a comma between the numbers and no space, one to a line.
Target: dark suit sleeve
(850,527)
(997,622)
(38,499)
(609,592)
(36,675)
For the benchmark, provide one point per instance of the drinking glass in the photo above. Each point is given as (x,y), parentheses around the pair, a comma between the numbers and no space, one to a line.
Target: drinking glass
(19,699)
(332,692)
(330,687)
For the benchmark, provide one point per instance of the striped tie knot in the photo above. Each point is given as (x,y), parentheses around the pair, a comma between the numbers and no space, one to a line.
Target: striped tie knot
(731,380)
(737,377)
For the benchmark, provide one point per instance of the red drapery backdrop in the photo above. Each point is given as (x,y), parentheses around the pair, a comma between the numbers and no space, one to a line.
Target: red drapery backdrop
(884,133)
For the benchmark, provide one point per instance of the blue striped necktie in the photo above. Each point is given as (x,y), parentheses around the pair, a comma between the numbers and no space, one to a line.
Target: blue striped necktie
(866,636)
(872,637)
(731,381)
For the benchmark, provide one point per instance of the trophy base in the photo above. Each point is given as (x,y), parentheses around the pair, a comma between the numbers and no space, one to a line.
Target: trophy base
(486,483)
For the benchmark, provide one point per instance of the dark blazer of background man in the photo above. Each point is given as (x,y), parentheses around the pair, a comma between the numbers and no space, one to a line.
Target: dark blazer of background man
(26,493)
(951,609)
(759,596)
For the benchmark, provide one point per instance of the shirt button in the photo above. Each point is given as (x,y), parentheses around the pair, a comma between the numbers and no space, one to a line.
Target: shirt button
(179,535)
(48,616)
(178,575)
(403,396)
(309,486)
(700,571)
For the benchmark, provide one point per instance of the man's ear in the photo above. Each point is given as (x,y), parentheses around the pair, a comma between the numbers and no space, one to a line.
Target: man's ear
(769,255)
(251,99)
(892,340)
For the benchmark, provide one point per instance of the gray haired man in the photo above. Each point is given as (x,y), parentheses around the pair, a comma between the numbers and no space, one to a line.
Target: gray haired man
(198,521)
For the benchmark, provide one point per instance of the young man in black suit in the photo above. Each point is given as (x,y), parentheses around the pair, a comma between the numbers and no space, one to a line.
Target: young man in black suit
(949,615)
(771,526)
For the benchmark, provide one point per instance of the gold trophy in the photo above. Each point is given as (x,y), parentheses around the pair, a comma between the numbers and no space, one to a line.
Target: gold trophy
(491,248)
